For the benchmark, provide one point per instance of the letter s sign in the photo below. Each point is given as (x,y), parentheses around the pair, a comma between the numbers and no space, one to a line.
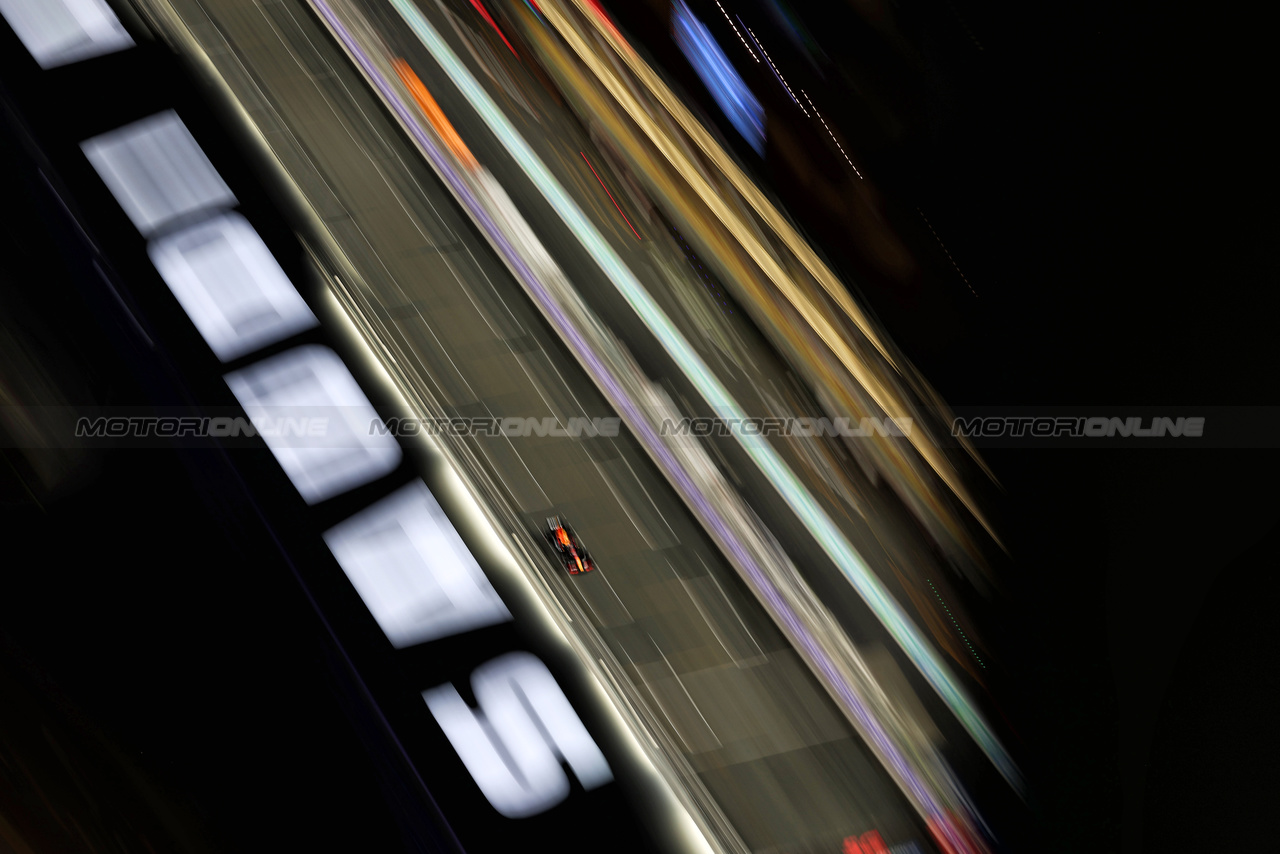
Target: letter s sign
(514,743)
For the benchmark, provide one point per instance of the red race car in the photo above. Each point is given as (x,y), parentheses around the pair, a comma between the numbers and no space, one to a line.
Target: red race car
(568,547)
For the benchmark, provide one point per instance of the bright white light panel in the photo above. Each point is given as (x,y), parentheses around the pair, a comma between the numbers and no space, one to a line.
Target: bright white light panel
(411,568)
(318,421)
(60,32)
(230,286)
(157,171)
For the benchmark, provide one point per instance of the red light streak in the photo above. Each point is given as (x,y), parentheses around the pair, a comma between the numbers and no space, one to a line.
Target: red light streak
(484,12)
(610,195)
(604,18)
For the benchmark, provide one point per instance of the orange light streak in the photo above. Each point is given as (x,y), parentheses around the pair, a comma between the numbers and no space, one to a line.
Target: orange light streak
(435,114)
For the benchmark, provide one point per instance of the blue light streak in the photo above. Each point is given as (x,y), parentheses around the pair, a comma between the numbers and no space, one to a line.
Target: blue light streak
(727,88)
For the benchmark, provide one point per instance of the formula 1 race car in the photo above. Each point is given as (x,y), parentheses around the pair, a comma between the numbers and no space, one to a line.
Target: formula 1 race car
(568,547)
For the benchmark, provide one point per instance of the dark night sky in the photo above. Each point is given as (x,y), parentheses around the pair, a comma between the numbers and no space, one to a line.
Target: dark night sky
(1103,175)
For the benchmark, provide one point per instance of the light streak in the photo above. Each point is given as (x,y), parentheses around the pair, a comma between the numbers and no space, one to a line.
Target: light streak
(610,195)
(803,299)
(485,14)
(802,503)
(946,250)
(434,114)
(735,31)
(776,72)
(781,226)
(719,76)
(834,288)
(833,136)
(959,630)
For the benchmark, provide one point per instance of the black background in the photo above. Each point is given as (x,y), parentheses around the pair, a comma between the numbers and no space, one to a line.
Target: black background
(1103,176)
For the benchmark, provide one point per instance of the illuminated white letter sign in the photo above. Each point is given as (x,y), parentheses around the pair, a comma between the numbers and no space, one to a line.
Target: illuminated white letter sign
(59,32)
(157,171)
(230,286)
(288,395)
(413,571)
(524,719)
